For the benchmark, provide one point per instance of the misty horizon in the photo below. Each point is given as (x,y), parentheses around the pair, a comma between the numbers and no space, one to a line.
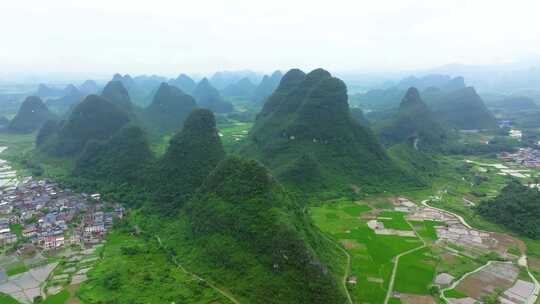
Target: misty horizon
(97,39)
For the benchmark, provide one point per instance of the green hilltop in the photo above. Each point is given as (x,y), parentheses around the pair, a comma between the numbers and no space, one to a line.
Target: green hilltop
(184,83)
(244,224)
(414,123)
(116,93)
(121,159)
(462,109)
(95,118)
(209,97)
(169,109)
(31,116)
(192,154)
(307,121)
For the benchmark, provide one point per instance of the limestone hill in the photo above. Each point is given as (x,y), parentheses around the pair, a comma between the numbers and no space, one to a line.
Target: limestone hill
(307,119)
(31,116)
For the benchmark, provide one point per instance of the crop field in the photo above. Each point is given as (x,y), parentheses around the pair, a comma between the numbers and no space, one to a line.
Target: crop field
(394,220)
(371,254)
(233,133)
(416,272)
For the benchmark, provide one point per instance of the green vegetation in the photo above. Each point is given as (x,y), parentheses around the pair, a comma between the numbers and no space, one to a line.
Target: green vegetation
(135,270)
(242,212)
(208,97)
(306,135)
(116,93)
(94,118)
(267,86)
(463,109)
(371,254)
(121,159)
(169,109)
(453,293)
(421,264)
(184,83)
(6,299)
(414,124)
(394,220)
(516,207)
(17,269)
(32,114)
(426,229)
(192,154)
(59,298)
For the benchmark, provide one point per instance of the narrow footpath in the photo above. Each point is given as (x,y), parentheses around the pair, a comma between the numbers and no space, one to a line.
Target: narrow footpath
(396,262)
(347,268)
(225,293)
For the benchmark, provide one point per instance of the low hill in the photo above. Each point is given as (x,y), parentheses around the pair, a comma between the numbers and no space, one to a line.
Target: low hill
(31,116)
(306,122)
(72,97)
(464,110)
(89,87)
(121,159)
(48,130)
(192,154)
(443,82)
(116,93)
(242,89)
(208,97)
(414,124)
(169,108)
(257,240)
(95,118)
(184,83)
(517,207)
(267,86)
(45,91)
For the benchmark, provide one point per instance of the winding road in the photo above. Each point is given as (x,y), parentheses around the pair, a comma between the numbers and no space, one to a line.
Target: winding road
(521,262)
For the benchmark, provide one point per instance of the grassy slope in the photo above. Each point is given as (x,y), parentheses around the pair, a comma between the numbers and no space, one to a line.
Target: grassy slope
(134,270)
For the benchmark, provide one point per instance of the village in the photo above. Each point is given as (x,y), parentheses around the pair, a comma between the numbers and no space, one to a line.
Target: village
(40,215)
(527,157)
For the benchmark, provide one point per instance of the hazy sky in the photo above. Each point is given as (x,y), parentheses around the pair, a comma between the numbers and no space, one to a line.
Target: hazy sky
(168,37)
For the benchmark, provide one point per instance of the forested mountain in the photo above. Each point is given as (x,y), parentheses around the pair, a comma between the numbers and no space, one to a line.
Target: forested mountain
(89,87)
(124,158)
(116,93)
(31,116)
(463,109)
(222,79)
(306,135)
(209,97)
(184,83)
(169,108)
(267,86)
(414,124)
(192,154)
(443,82)
(45,91)
(244,89)
(72,96)
(95,118)
(246,227)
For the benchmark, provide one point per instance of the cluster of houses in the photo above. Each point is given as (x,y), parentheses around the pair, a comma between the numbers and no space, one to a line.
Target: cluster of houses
(527,157)
(42,215)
